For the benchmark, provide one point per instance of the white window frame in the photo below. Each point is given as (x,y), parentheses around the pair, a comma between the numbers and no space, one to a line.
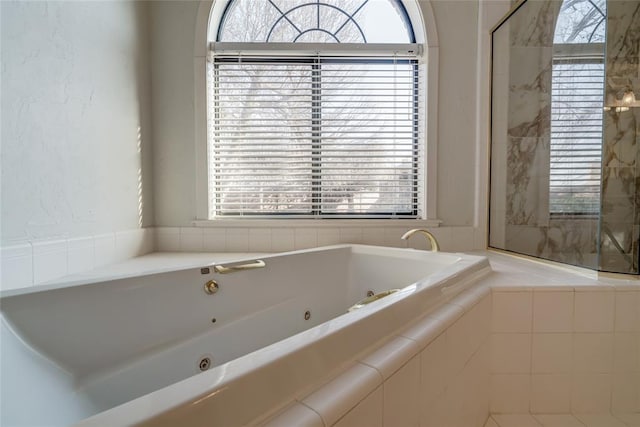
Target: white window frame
(423,22)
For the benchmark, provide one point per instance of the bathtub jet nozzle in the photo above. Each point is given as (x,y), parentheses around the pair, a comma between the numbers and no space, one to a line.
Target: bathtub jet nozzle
(211,287)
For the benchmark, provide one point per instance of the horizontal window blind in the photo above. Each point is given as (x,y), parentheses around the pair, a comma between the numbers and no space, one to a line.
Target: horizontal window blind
(576,135)
(319,137)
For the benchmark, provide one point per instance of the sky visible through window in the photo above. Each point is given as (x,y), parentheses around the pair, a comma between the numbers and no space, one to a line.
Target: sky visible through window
(581,21)
(262,20)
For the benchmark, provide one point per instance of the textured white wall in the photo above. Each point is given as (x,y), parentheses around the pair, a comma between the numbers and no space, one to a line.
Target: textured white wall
(75,118)
(172,34)
(173,24)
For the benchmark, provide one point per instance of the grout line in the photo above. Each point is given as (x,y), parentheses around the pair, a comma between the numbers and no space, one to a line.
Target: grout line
(324,423)
(420,386)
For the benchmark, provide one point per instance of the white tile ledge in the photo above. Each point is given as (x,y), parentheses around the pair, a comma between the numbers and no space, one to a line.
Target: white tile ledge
(337,397)
(42,261)
(391,356)
(544,277)
(513,273)
(152,263)
(295,414)
(562,420)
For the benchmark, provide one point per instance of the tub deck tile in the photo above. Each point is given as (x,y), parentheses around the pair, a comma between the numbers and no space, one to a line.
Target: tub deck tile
(338,396)
(563,420)
(423,331)
(515,420)
(392,355)
(295,414)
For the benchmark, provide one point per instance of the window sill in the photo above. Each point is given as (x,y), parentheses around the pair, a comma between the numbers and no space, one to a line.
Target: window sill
(316,223)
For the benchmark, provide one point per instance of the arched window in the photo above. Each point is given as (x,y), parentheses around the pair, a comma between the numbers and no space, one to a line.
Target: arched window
(577,100)
(314,110)
(315,21)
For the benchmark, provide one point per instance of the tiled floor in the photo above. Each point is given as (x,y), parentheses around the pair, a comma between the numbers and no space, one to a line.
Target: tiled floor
(563,420)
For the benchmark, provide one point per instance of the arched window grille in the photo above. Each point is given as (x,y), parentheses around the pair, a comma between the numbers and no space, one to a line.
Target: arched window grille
(577,100)
(315,110)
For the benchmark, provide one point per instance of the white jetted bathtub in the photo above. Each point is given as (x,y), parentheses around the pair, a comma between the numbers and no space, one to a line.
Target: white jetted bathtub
(126,351)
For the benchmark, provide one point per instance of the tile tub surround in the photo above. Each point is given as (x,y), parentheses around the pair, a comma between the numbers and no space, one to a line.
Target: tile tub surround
(560,420)
(565,350)
(432,373)
(564,343)
(452,355)
(276,377)
(38,262)
(32,263)
(541,313)
(559,343)
(280,237)
(171,332)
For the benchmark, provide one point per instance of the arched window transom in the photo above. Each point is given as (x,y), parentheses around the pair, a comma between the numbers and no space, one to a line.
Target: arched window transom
(581,21)
(315,21)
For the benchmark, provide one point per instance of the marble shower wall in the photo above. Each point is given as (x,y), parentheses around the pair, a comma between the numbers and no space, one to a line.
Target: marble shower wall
(529,108)
(521,144)
(620,198)
(521,123)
